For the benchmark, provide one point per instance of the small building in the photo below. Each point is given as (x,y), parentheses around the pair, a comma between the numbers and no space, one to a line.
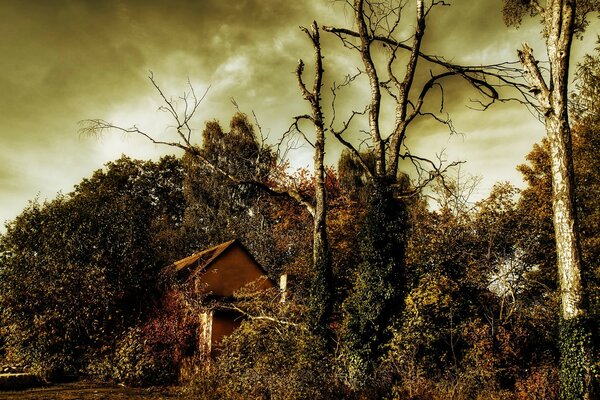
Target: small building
(216,274)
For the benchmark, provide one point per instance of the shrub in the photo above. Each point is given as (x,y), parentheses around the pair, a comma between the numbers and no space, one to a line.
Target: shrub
(149,353)
(264,359)
(541,383)
(138,364)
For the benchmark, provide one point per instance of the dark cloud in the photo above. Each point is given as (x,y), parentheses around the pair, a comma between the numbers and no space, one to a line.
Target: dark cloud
(63,61)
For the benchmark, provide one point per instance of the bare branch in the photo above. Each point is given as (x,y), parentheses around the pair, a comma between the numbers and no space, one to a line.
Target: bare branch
(96,127)
(296,128)
(507,72)
(346,124)
(535,79)
(233,307)
(435,172)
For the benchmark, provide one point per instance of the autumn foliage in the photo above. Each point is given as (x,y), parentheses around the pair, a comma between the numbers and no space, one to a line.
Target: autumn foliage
(456,302)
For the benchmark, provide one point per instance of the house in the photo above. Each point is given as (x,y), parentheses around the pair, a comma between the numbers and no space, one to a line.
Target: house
(217,273)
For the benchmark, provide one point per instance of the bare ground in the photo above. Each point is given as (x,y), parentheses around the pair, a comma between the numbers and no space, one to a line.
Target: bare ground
(91,391)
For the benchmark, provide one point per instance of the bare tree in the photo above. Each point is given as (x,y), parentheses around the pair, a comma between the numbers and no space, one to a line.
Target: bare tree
(561,21)
(377,25)
(182,117)
(321,287)
(404,80)
(379,282)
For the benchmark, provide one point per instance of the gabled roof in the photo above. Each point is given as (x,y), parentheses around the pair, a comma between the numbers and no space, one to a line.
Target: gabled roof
(221,270)
(200,261)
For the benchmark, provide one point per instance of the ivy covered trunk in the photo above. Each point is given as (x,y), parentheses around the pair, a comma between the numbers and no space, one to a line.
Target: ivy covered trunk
(322,280)
(575,347)
(377,296)
(575,337)
(320,306)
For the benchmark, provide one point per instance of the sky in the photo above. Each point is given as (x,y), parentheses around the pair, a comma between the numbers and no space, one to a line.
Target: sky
(64,61)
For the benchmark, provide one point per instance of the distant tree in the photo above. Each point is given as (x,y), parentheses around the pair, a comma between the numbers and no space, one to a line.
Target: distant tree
(218,209)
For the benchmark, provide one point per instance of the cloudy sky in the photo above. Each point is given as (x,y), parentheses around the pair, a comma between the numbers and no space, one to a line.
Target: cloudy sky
(63,61)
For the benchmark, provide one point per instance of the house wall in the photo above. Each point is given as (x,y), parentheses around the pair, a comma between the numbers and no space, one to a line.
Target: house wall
(230,271)
(233,270)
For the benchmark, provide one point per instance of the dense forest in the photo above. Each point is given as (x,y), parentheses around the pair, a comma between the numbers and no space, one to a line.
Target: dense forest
(400,286)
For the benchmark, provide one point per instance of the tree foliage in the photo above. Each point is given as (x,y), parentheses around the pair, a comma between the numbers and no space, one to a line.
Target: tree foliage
(375,299)
(78,269)
(217,209)
(514,11)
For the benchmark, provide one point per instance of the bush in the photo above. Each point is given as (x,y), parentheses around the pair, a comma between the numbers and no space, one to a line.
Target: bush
(541,383)
(268,360)
(151,353)
(136,363)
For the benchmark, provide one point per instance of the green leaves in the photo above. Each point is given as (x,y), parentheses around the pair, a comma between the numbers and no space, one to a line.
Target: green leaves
(575,349)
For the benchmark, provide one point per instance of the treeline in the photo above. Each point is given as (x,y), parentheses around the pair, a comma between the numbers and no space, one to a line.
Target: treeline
(463,306)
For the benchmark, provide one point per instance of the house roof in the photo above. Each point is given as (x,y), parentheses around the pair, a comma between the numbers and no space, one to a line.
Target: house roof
(200,261)
(222,269)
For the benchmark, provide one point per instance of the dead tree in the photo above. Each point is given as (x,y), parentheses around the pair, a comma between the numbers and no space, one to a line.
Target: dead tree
(404,82)
(321,286)
(377,24)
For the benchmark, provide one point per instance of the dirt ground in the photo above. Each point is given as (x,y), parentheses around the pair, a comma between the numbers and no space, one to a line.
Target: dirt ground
(91,391)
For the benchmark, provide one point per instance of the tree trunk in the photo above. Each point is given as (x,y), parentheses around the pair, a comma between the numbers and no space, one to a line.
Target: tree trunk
(322,282)
(575,339)
(565,220)
(375,105)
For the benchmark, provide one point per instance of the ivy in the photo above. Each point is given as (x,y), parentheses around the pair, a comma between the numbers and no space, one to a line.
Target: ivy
(574,345)
(378,286)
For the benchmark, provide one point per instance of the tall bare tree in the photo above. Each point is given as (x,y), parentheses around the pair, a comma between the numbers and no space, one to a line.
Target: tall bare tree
(561,21)
(321,287)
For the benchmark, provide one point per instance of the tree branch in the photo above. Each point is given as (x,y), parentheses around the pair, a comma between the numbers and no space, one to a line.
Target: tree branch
(96,127)
(535,79)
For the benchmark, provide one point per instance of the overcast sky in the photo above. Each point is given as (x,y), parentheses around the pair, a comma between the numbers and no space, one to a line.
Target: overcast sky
(65,61)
